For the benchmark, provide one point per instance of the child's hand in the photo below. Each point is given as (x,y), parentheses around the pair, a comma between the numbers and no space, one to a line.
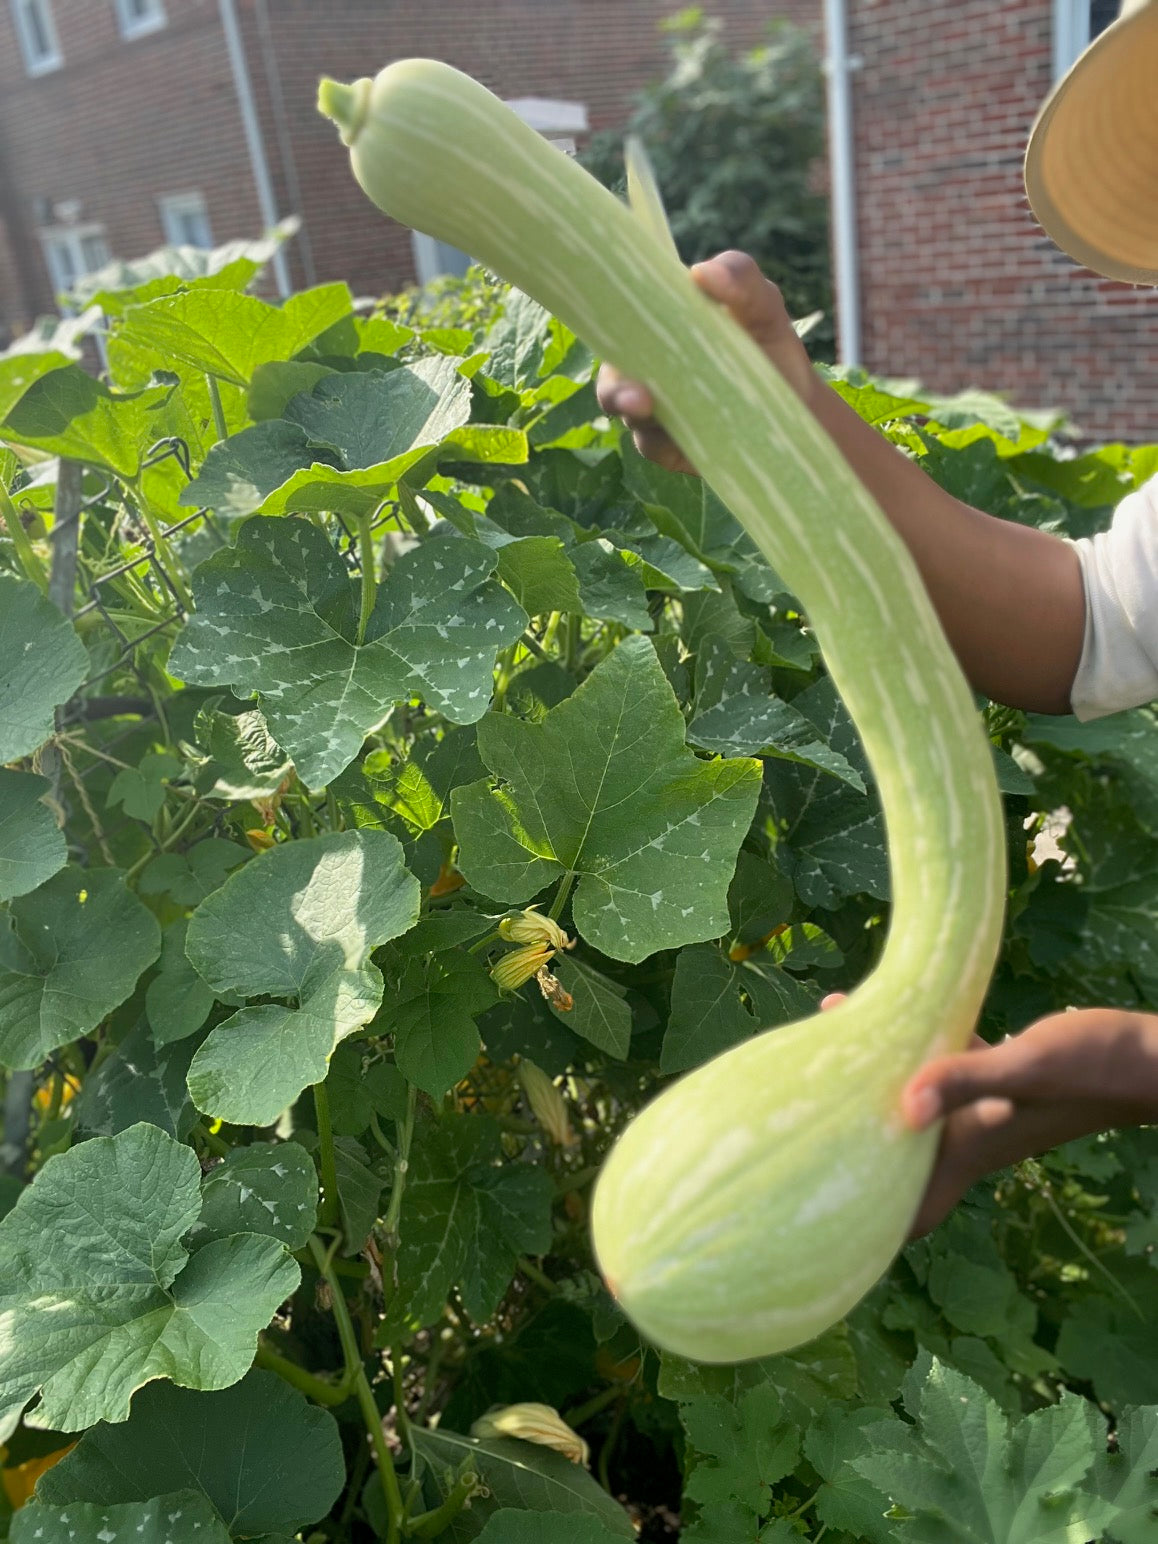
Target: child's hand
(735,281)
(1064,1077)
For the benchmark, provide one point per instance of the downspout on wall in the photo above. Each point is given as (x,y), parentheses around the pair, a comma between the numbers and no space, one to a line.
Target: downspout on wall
(838,68)
(254,142)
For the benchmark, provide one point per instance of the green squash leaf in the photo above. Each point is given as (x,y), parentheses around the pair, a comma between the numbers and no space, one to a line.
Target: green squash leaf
(228,335)
(605,787)
(717,1002)
(42,662)
(465,1220)
(184,1514)
(525,1477)
(432,1012)
(299,924)
(177,1001)
(32,845)
(285,1474)
(74,951)
(278,615)
(269,1188)
(99,1296)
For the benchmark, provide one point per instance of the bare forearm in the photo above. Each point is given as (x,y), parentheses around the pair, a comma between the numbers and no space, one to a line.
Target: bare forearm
(1009,597)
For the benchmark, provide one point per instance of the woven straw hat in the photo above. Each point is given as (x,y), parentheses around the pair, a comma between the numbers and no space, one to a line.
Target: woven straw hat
(1091,170)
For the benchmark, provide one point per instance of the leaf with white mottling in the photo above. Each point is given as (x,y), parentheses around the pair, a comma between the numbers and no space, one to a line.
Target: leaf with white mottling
(736,714)
(299,924)
(605,787)
(73,952)
(278,615)
(268,1187)
(32,845)
(99,1296)
(140,1081)
(42,662)
(716,1003)
(465,1220)
(183,1514)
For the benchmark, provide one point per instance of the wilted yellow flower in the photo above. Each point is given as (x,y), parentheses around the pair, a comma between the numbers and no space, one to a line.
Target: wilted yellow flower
(516,969)
(547,1103)
(531,927)
(554,991)
(533,1423)
(260,841)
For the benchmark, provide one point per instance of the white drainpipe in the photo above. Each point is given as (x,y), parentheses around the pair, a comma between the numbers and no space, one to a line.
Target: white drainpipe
(253,138)
(839,66)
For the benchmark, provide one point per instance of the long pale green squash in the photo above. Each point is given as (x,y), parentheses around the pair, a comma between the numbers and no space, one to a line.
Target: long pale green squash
(753,1203)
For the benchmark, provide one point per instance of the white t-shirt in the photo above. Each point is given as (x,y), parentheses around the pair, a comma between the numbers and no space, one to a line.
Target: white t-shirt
(1119,664)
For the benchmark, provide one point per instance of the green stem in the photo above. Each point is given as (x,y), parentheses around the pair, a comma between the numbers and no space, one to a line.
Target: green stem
(216,405)
(428,1525)
(577,1181)
(405,1134)
(561,895)
(608,1447)
(540,1278)
(29,562)
(533,646)
(574,641)
(369,578)
(161,550)
(215,1144)
(401,1419)
(321,1390)
(328,1211)
(600,1401)
(173,836)
(366,1403)
(550,630)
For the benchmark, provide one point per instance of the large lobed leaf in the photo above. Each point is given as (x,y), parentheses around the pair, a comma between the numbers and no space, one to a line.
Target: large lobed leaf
(98,1294)
(278,615)
(606,788)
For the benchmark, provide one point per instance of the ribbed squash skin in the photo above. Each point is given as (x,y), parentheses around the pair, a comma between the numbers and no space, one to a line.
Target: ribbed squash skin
(751,1204)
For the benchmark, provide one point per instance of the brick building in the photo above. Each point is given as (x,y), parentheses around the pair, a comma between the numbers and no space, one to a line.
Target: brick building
(957,283)
(127,122)
(124,123)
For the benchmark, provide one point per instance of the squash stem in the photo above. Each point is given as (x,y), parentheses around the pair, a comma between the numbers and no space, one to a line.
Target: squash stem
(369,577)
(328,1211)
(218,409)
(366,1402)
(561,895)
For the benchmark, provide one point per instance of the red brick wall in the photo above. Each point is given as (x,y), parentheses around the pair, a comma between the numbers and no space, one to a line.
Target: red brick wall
(123,122)
(119,124)
(959,285)
(598,52)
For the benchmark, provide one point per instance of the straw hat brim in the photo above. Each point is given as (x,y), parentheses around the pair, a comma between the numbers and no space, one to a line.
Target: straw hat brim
(1091,168)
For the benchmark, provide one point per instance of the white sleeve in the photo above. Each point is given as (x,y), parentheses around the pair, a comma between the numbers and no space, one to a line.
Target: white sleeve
(1119,664)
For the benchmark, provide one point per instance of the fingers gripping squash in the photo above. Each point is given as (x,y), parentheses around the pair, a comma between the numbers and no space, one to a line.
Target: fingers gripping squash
(753,1203)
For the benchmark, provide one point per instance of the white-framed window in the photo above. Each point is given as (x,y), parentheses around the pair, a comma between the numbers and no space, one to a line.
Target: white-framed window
(185,220)
(558,122)
(36,34)
(71,251)
(136,17)
(1076,23)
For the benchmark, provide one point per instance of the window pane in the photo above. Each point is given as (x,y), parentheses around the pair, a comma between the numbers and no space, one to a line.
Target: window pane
(93,253)
(37,31)
(1102,13)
